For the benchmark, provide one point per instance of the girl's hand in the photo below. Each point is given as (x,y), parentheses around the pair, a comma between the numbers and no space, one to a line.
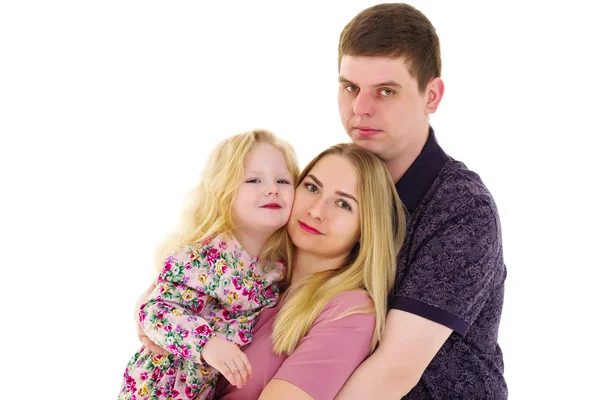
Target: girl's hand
(228,359)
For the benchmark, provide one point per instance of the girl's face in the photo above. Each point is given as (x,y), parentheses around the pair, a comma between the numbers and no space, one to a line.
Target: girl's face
(265,196)
(325,217)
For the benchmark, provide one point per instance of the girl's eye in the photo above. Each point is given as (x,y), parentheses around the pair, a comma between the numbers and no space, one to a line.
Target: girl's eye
(344,204)
(283,181)
(311,187)
(386,92)
(254,180)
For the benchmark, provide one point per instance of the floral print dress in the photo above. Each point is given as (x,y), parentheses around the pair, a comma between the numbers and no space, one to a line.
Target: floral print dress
(214,288)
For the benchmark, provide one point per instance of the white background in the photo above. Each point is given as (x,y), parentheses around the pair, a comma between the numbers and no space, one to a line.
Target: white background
(109,108)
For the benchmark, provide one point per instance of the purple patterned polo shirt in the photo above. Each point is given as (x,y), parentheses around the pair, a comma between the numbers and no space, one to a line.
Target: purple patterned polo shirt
(451,271)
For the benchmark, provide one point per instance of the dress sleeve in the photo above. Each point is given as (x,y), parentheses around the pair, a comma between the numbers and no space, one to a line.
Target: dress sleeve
(333,348)
(170,315)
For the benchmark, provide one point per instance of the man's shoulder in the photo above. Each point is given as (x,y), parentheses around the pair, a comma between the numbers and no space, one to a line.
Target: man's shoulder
(458,187)
(459,182)
(457,196)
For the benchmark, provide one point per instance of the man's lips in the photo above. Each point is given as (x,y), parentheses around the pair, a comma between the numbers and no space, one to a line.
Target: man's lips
(271,206)
(367,130)
(309,228)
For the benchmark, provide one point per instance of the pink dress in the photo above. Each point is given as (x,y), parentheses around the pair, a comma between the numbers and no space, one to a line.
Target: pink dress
(323,360)
(206,289)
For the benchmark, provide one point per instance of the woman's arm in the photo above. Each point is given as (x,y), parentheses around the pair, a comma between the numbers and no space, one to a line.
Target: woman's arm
(328,354)
(280,389)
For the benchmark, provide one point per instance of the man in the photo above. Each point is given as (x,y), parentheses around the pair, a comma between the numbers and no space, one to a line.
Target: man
(440,340)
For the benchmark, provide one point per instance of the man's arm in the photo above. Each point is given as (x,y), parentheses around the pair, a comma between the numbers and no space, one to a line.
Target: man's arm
(408,345)
(443,290)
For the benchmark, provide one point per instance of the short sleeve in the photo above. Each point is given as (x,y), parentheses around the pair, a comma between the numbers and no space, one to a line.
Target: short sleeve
(327,356)
(452,273)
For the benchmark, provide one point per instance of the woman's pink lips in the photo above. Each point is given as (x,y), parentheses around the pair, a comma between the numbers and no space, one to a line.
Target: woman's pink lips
(272,206)
(309,228)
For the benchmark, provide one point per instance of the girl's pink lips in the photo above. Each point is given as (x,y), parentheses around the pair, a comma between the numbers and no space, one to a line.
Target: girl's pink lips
(272,206)
(309,228)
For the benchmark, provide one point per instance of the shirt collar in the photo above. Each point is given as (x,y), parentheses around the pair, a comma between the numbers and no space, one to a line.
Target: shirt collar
(419,177)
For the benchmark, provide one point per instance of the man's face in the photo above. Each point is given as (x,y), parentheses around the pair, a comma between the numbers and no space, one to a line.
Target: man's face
(380,105)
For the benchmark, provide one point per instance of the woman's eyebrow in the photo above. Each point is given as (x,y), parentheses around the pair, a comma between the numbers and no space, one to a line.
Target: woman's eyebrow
(349,196)
(338,192)
(314,178)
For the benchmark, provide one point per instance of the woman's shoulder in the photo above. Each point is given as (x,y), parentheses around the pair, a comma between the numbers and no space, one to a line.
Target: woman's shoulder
(355,302)
(352,298)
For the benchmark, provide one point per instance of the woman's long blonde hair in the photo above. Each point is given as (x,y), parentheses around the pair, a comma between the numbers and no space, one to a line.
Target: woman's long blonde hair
(208,211)
(371,265)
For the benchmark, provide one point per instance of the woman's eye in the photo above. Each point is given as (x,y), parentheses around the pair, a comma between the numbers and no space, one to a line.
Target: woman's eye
(344,204)
(311,187)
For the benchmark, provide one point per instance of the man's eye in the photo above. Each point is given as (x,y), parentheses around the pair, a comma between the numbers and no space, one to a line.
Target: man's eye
(351,88)
(386,92)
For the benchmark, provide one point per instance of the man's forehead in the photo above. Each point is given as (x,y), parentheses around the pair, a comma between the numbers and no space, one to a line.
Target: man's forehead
(373,70)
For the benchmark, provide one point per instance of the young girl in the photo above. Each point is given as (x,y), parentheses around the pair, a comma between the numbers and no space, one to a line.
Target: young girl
(226,268)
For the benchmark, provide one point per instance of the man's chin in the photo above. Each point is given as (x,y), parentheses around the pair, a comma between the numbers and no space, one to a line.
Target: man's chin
(367,143)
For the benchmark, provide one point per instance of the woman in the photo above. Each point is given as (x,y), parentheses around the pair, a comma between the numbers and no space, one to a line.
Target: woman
(347,226)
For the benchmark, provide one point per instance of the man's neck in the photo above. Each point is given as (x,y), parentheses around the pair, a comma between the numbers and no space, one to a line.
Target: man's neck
(402,162)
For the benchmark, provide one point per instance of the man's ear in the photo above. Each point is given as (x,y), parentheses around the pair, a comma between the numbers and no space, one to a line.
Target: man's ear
(434,92)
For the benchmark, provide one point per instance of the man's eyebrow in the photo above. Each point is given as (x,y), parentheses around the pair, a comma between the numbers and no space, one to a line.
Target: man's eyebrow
(339,193)
(389,83)
(386,83)
(341,79)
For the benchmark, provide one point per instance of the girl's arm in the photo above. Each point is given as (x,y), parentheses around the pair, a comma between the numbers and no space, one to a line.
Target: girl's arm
(171,317)
(329,353)
(146,342)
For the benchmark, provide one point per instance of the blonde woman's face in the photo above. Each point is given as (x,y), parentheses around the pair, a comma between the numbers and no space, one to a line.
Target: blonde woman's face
(325,217)
(266,194)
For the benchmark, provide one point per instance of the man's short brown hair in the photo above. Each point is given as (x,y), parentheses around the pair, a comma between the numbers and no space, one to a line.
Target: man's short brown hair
(394,30)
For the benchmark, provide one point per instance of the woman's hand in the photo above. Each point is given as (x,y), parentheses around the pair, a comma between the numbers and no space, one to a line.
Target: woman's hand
(228,359)
(149,344)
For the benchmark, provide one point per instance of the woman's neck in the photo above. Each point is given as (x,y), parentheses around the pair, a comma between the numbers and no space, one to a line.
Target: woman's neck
(253,242)
(306,264)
